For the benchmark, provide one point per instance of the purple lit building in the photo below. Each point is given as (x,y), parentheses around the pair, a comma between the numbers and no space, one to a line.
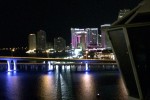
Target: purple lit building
(84,38)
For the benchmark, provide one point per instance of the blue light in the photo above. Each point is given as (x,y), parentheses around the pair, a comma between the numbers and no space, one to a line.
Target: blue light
(9,73)
(49,73)
(15,72)
(50,67)
(86,66)
(8,63)
(14,65)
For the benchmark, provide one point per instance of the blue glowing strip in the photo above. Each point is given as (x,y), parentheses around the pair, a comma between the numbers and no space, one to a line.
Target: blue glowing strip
(49,65)
(63,67)
(86,66)
(14,65)
(8,63)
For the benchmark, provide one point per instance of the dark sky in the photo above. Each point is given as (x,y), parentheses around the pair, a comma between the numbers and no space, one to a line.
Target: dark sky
(19,18)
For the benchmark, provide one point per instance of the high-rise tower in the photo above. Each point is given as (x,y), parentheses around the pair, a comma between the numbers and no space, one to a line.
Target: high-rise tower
(79,38)
(41,40)
(92,37)
(32,41)
(59,44)
(84,38)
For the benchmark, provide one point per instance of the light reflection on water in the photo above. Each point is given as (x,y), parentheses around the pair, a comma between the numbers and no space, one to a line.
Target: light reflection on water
(46,88)
(86,86)
(13,90)
(62,85)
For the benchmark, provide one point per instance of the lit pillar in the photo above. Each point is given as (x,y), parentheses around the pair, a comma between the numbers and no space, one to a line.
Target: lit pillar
(15,67)
(86,66)
(50,67)
(9,65)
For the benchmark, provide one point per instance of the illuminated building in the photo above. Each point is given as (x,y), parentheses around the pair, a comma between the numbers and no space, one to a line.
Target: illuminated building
(84,38)
(59,44)
(123,13)
(32,41)
(92,37)
(105,43)
(41,40)
(77,37)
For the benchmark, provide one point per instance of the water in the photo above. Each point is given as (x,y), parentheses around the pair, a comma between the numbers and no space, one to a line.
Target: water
(62,86)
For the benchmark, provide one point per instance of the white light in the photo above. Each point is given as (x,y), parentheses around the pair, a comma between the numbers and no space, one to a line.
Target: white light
(86,65)
(105,25)
(50,67)
(8,63)
(14,65)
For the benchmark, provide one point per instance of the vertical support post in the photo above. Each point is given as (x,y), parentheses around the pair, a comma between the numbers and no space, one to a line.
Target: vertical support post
(86,66)
(9,65)
(15,65)
(50,67)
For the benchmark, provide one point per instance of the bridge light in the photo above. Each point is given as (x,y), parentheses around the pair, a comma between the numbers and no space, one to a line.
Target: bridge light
(86,66)
(49,66)
(8,63)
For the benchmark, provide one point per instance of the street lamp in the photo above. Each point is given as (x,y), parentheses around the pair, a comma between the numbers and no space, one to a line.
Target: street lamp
(86,52)
(12,51)
(47,52)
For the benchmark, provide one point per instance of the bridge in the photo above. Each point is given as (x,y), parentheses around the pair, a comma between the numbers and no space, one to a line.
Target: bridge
(49,63)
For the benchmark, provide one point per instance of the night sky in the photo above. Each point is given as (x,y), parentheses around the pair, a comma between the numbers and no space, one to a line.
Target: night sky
(19,18)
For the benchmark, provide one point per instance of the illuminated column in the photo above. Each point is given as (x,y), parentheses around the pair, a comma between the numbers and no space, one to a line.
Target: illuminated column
(50,67)
(86,66)
(9,65)
(15,67)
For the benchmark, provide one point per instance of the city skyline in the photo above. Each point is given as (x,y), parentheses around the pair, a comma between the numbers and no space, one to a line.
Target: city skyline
(18,19)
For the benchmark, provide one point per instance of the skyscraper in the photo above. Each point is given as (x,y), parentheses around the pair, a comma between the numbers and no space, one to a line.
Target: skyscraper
(32,41)
(41,40)
(59,44)
(84,38)
(92,37)
(78,38)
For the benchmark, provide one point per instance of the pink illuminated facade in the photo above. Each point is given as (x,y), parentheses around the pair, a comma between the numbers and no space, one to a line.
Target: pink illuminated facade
(78,37)
(84,38)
